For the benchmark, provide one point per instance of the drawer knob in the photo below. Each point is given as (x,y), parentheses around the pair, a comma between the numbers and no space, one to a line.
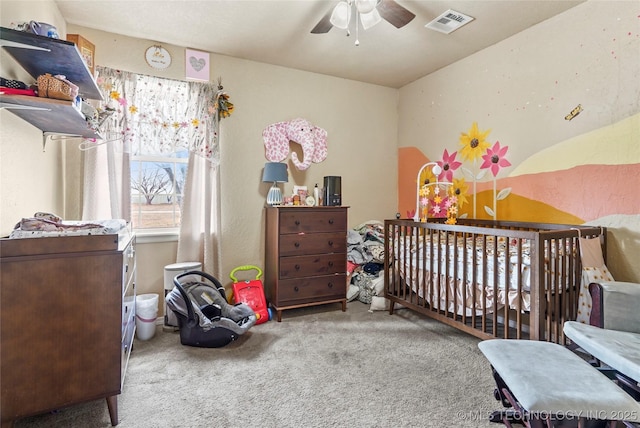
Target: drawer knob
(297,222)
(297,267)
(296,289)
(296,244)
(331,243)
(331,264)
(330,285)
(330,221)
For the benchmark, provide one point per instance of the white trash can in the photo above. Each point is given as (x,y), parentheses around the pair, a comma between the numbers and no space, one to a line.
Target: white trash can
(146,314)
(170,272)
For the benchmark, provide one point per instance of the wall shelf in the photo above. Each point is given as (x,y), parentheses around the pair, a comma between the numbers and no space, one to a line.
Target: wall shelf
(49,115)
(39,55)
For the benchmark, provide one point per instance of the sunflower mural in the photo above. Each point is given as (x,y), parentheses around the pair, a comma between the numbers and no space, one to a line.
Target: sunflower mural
(441,194)
(475,147)
(474,143)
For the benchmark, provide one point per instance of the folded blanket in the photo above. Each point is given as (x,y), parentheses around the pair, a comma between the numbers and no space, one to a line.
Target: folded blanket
(47,224)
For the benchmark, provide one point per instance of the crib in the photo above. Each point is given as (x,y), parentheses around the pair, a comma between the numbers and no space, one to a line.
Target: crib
(491,279)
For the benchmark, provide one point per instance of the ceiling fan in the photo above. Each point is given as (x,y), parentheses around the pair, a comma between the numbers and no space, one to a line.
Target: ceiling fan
(368,12)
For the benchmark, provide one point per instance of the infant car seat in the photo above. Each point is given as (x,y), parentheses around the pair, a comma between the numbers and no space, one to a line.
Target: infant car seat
(205,319)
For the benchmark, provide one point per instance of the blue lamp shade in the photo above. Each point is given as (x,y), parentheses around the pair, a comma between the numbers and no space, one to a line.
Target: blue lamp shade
(275,172)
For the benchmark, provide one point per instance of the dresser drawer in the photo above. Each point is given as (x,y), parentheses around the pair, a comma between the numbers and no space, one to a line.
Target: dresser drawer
(312,289)
(128,265)
(128,310)
(125,350)
(308,220)
(319,264)
(316,243)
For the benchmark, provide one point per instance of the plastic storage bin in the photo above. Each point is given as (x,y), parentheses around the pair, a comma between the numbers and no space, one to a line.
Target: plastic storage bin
(146,314)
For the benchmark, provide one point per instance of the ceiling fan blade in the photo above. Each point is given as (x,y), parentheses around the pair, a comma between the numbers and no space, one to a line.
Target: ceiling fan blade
(324,25)
(397,15)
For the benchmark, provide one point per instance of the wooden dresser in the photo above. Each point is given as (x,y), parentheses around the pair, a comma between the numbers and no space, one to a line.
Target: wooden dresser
(305,257)
(67,321)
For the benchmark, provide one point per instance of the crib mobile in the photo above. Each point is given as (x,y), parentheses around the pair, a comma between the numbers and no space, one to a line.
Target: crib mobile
(436,198)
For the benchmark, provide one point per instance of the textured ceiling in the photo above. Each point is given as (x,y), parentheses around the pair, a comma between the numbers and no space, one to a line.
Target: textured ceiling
(278,32)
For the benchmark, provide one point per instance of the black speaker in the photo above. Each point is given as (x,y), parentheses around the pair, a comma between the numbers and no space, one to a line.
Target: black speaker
(332,190)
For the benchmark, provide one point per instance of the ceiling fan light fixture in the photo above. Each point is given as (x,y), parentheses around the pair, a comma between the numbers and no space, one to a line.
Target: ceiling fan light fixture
(341,15)
(370,19)
(366,6)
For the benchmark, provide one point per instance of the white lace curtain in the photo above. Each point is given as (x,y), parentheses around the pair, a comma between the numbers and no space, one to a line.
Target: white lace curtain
(151,115)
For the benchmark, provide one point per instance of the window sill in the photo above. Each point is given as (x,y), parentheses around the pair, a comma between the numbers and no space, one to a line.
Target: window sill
(152,236)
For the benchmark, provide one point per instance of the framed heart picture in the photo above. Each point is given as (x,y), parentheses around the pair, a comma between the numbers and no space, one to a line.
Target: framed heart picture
(197,65)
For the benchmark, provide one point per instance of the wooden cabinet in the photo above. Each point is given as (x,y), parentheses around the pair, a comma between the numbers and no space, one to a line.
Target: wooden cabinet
(305,257)
(39,55)
(67,320)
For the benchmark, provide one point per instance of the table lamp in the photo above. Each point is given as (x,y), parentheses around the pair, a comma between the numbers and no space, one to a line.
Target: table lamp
(274,172)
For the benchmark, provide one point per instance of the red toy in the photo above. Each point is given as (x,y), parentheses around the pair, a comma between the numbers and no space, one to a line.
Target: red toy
(251,292)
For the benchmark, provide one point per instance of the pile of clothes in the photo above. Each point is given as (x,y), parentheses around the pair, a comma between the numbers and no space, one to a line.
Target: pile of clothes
(365,263)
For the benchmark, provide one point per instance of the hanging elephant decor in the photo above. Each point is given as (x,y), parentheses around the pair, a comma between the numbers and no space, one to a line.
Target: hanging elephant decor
(312,139)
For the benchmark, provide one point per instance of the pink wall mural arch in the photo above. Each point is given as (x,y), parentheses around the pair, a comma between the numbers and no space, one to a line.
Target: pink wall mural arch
(575,194)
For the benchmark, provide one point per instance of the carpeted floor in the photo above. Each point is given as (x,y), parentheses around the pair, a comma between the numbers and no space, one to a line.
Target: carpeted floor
(319,367)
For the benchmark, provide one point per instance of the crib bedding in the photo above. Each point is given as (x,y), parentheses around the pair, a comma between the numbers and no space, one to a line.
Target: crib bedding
(524,276)
(490,259)
(505,263)
(461,296)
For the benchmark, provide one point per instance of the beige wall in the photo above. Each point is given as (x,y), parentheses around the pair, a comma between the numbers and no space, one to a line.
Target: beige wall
(31,179)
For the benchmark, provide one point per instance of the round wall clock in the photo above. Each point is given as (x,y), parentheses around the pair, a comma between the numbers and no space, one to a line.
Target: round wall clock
(157,57)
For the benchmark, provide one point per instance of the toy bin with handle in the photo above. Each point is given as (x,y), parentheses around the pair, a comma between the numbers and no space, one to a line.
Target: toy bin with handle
(251,292)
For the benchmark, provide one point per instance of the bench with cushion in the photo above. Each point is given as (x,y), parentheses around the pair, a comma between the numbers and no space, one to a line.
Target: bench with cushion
(614,336)
(545,384)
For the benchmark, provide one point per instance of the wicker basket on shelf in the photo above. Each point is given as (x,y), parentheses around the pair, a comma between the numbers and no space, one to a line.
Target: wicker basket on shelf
(56,87)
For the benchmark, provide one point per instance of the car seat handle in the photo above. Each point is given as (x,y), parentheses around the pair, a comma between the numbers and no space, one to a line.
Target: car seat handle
(215,282)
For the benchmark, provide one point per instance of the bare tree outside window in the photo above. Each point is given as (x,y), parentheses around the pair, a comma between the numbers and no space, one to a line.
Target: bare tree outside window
(157,190)
(150,182)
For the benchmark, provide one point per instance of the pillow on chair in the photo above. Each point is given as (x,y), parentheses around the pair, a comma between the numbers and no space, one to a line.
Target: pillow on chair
(593,270)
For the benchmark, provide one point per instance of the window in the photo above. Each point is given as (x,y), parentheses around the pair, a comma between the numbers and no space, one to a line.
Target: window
(157,190)
(159,122)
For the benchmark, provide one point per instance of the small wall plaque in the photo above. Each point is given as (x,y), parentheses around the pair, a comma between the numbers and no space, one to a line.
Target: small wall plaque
(157,57)
(197,65)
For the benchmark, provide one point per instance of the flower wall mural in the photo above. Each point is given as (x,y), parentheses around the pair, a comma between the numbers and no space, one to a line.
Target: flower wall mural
(440,194)
(494,160)
(549,186)
(473,145)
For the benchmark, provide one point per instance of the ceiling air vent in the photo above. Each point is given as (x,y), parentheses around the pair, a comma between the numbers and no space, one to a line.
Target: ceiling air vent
(449,21)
